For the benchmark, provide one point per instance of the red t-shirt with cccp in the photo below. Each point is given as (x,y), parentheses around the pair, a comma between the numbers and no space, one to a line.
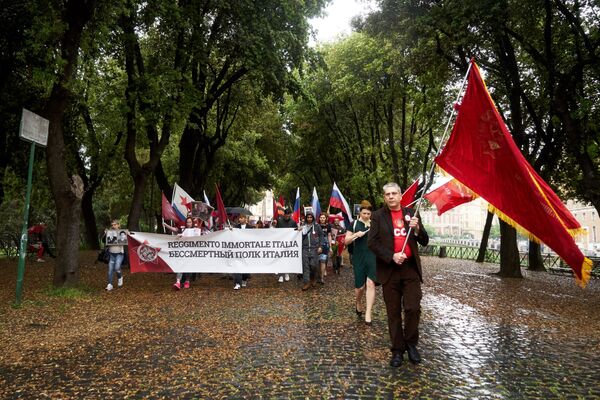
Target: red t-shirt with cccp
(400,233)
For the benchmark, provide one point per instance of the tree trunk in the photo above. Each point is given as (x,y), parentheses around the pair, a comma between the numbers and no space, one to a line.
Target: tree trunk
(188,149)
(137,100)
(536,261)
(137,200)
(89,220)
(389,117)
(66,191)
(578,142)
(509,252)
(485,237)
(163,181)
(3,161)
(159,226)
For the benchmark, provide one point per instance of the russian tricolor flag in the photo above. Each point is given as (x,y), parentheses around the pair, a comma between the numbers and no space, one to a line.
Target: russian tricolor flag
(296,214)
(168,212)
(337,200)
(315,204)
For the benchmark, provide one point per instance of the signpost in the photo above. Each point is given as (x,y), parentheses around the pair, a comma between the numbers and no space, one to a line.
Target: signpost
(33,129)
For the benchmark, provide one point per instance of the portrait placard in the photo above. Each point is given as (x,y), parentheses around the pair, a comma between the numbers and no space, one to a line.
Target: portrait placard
(201,210)
(116,237)
(356,209)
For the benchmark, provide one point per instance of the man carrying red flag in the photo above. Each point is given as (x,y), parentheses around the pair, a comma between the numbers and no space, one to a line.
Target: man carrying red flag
(394,237)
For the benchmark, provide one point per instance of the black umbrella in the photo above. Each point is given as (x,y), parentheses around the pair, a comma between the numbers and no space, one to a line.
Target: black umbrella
(237,211)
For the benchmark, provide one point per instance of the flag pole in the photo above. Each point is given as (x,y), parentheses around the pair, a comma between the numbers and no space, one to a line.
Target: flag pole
(437,153)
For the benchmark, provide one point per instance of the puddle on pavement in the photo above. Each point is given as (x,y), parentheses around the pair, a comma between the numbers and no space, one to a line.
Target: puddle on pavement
(474,350)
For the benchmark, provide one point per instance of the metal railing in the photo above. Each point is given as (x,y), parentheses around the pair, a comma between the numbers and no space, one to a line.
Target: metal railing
(552,262)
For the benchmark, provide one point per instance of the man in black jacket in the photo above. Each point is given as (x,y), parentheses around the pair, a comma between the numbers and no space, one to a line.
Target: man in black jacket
(399,270)
(312,241)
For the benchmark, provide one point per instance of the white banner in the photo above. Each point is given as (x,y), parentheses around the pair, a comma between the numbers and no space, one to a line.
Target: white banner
(226,251)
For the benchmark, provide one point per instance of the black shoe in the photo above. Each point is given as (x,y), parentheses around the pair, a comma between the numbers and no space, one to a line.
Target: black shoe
(396,360)
(413,353)
(358,313)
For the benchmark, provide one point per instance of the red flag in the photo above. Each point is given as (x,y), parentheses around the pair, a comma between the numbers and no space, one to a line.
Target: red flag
(408,197)
(481,154)
(222,214)
(449,195)
(278,207)
(168,212)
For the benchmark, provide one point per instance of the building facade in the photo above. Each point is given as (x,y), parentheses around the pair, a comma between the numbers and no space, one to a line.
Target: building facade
(263,210)
(588,217)
(464,221)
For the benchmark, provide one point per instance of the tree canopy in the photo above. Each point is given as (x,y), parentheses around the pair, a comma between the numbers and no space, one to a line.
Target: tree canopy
(141,95)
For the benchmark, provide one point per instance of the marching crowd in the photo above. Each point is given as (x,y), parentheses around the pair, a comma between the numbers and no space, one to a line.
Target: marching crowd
(321,242)
(383,248)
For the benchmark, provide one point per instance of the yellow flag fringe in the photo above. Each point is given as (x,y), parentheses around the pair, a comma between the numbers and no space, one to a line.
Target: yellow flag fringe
(514,224)
(586,268)
(577,232)
(586,272)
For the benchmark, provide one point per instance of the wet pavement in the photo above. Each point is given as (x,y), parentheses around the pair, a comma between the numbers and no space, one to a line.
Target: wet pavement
(481,337)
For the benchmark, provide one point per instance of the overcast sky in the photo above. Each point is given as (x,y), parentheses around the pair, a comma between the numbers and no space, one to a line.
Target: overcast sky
(337,18)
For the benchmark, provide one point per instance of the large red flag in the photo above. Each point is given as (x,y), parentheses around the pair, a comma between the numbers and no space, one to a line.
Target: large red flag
(481,154)
(408,197)
(222,214)
(449,195)
(168,212)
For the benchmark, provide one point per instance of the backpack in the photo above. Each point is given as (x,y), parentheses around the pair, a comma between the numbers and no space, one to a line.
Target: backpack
(103,256)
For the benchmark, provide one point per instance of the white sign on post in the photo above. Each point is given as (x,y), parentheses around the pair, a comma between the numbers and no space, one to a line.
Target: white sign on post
(34,128)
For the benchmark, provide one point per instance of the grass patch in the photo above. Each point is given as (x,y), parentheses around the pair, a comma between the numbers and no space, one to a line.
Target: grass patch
(69,292)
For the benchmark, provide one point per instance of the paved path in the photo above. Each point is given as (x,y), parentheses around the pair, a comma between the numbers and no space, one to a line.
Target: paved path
(272,340)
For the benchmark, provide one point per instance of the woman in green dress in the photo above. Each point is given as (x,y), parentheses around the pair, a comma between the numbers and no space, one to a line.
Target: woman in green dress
(363,261)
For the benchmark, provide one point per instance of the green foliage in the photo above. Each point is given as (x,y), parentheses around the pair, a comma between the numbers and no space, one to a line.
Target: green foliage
(72,293)
(41,207)
(365,120)
(540,64)
(264,110)
(251,155)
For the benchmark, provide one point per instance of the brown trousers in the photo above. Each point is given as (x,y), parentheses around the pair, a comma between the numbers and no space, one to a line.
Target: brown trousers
(403,291)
